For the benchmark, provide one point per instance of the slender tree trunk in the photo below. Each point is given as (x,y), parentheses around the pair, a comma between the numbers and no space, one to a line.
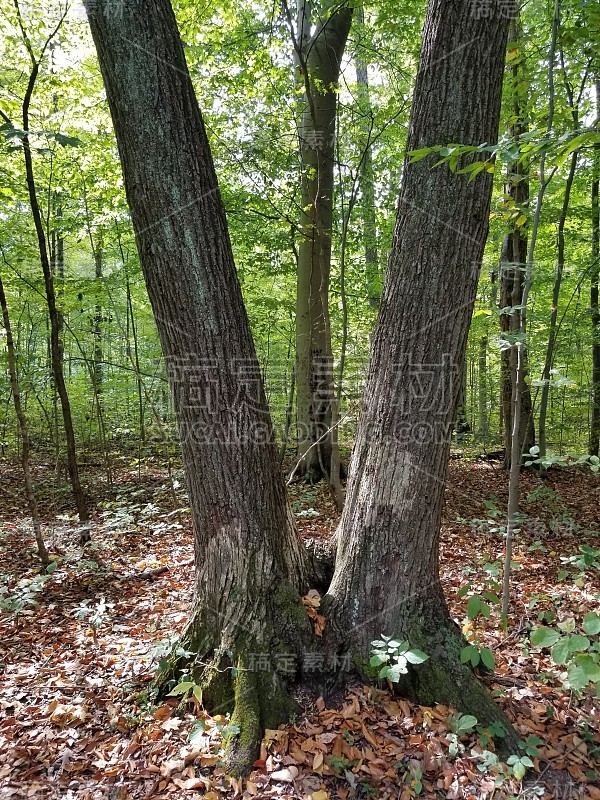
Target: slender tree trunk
(513,259)
(367,179)
(519,345)
(97,323)
(136,360)
(319,43)
(250,563)
(461,420)
(54,314)
(386,577)
(553,332)
(24,430)
(594,308)
(483,426)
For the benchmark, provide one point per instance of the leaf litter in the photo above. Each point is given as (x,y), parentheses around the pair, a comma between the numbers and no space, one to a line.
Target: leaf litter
(76,722)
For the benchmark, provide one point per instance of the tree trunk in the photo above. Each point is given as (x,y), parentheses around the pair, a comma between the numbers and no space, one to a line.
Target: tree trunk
(513,259)
(510,270)
(250,563)
(553,332)
(482,379)
(367,180)
(97,321)
(53,312)
(24,429)
(594,309)
(319,46)
(386,577)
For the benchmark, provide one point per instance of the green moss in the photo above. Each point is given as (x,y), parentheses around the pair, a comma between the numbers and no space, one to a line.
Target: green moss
(292,619)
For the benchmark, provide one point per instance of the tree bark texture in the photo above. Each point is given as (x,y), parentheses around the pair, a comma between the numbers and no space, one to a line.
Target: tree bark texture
(249,560)
(386,577)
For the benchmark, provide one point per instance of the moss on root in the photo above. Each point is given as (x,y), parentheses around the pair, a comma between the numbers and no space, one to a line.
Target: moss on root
(444,679)
(243,675)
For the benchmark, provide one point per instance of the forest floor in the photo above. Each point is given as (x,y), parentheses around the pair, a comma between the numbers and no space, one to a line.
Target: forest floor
(75,721)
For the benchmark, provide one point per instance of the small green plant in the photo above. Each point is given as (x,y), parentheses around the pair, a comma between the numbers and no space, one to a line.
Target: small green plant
(552,460)
(475,655)
(462,724)
(493,511)
(519,765)
(166,648)
(392,657)
(187,689)
(415,778)
(24,594)
(576,649)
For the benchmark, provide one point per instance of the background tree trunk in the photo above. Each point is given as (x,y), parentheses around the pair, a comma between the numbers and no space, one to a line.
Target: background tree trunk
(319,45)
(250,562)
(24,430)
(594,309)
(367,179)
(513,259)
(386,577)
(56,350)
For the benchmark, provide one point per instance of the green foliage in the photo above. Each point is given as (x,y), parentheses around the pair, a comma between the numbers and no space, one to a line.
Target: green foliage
(391,658)
(24,595)
(579,652)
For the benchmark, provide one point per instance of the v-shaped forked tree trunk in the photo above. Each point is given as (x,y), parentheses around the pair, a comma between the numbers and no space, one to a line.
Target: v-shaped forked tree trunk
(386,576)
(250,565)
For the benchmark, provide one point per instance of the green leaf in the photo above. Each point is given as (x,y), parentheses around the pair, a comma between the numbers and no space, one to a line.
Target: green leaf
(181,688)
(578,643)
(583,672)
(544,636)
(591,623)
(466,723)
(473,606)
(377,659)
(466,652)
(416,656)
(197,692)
(487,657)
(561,651)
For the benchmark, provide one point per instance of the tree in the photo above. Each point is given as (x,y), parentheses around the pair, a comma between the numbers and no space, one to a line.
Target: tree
(594,309)
(386,575)
(251,563)
(513,256)
(248,633)
(53,311)
(23,428)
(319,41)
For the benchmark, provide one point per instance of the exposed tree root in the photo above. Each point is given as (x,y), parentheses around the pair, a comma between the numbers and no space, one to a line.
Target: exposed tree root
(444,679)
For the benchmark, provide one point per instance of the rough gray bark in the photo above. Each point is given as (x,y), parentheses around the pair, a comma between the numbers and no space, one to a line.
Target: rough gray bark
(249,560)
(319,41)
(386,577)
